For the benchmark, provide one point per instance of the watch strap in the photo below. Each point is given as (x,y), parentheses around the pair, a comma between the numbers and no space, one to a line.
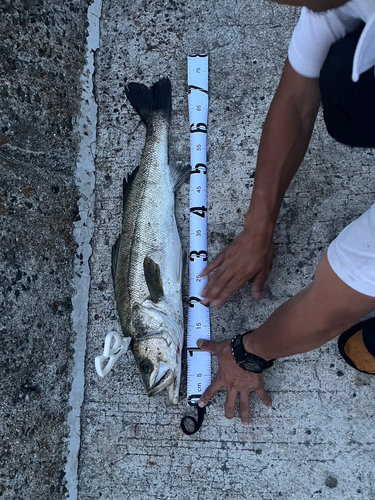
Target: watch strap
(247,361)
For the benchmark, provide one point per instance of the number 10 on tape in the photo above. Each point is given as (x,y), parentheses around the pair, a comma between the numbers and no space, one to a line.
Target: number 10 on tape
(199,362)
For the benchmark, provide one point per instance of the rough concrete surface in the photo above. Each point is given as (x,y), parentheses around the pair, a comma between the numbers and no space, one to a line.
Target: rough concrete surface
(42,52)
(318,439)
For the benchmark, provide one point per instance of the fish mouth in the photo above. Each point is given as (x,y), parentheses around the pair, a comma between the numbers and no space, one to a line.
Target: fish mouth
(162,382)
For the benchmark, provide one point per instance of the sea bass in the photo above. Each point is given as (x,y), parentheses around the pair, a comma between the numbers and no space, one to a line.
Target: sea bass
(147,262)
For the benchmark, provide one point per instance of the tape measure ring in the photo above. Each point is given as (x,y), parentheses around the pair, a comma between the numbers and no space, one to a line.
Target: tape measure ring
(190,425)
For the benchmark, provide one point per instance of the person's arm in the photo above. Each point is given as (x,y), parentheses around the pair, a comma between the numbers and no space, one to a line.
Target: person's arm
(320,312)
(285,138)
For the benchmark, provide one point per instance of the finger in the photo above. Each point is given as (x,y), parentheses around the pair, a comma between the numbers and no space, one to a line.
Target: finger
(220,287)
(223,287)
(213,265)
(217,283)
(245,408)
(258,285)
(213,302)
(230,403)
(208,345)
(264,396)
(210,392)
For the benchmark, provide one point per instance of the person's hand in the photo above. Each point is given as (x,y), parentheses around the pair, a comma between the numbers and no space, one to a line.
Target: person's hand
(248,257)
(234,379)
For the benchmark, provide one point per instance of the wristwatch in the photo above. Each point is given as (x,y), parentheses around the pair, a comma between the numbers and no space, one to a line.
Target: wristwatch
(247,361)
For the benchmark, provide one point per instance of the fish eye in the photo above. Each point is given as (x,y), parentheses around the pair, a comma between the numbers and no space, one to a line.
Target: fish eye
(145,367)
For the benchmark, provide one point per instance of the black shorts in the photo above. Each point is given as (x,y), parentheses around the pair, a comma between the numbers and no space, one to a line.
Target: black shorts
(348,107)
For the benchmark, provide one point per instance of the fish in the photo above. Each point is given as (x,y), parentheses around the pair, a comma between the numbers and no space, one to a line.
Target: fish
(147,258)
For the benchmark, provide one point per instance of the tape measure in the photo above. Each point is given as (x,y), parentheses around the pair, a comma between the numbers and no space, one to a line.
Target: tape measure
(199,362)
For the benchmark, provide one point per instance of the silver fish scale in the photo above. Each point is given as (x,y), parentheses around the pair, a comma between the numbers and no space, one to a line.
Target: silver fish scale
(149,229)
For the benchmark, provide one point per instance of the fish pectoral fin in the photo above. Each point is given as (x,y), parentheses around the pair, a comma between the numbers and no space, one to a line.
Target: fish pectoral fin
(153,279)
(115,250)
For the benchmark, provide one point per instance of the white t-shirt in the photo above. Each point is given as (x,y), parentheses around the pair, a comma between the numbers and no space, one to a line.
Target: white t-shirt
(352,254)
(317,31)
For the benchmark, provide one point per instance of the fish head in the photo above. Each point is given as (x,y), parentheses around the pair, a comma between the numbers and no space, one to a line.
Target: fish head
(158,355)
(159,363)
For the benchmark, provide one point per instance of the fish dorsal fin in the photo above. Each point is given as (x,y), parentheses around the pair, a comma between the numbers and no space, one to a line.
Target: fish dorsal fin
(153,279)
(115,250)
(179,173)
(127,184)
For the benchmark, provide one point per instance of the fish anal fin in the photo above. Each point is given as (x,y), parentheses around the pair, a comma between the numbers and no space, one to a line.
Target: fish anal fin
(153,279)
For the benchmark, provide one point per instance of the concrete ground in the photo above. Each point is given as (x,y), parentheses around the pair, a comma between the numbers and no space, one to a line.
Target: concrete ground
(42,52)
(318,439)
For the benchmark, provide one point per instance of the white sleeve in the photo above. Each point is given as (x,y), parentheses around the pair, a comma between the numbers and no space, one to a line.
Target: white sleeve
(352,254)
(313,36)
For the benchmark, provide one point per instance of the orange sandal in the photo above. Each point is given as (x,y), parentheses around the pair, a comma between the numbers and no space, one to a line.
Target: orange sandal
(357,346)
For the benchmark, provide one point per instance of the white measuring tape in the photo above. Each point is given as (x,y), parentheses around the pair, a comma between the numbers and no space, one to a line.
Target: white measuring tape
(199,362)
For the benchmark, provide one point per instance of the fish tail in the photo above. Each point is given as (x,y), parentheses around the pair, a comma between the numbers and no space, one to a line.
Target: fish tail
(148,101)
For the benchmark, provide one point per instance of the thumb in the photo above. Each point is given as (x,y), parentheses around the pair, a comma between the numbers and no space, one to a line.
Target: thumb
(207,345)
